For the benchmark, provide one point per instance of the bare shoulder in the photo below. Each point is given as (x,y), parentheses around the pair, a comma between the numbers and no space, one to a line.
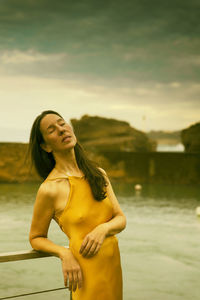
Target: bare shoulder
(105,175)
(44,202)
(102,171)
(47,189)
(52,190)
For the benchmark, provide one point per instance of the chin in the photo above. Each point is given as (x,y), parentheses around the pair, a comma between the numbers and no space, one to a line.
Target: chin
(69,146)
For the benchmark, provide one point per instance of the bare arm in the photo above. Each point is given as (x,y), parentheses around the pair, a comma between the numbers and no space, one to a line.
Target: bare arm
(118,222)
(42,216)
(93,240)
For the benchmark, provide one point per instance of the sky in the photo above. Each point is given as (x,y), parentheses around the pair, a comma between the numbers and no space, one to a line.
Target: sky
(131,60)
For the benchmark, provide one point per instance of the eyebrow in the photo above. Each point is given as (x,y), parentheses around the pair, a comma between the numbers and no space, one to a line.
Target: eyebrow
(52,125)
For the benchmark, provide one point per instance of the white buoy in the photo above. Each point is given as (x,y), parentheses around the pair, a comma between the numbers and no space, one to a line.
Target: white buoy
(198,211)
(138,187)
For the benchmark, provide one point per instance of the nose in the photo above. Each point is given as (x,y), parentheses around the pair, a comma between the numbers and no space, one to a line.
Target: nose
(61,130)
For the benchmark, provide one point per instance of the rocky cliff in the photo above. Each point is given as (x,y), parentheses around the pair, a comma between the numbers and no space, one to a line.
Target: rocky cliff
(190,138)
(103,134)
(13,164)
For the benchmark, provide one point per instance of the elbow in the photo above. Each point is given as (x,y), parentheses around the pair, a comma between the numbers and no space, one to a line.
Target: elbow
(124,222)
(32,241)
(35,241)
(32,237)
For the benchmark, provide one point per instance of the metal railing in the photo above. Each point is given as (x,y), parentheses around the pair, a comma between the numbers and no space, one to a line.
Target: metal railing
(23,255)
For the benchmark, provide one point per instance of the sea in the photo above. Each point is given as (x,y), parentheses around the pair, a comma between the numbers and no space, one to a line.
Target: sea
(159,248)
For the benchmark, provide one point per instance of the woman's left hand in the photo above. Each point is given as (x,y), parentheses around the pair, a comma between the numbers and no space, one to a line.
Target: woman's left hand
(93,241)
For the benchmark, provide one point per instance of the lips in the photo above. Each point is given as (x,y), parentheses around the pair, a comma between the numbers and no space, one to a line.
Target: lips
(66,138)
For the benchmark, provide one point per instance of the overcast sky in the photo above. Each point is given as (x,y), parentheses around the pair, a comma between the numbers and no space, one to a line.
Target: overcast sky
(132,60)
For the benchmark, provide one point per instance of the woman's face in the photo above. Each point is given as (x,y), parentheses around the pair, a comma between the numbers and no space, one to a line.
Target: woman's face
(57,134)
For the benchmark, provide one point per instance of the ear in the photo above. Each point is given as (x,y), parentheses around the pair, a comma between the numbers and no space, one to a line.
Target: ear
(45,147)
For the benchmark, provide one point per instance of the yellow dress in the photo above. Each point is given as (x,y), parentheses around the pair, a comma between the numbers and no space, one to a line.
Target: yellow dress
(102,274)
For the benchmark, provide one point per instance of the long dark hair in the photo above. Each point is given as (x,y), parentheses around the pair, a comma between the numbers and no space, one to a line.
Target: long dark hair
(44,162)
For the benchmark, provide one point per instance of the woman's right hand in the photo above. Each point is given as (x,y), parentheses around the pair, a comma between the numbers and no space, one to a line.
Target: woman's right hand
(71,271)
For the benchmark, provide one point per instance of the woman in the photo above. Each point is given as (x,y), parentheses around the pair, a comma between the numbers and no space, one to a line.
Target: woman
(78,196)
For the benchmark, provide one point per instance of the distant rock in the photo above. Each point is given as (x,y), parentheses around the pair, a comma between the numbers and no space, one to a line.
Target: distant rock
(103,134)
(191,138)
(13,164)
(165,137)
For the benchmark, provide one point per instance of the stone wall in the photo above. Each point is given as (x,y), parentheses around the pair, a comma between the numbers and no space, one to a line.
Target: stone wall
(156,167)
(160,167)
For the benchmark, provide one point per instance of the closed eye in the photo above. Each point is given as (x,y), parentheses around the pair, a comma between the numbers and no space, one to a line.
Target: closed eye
(52,130)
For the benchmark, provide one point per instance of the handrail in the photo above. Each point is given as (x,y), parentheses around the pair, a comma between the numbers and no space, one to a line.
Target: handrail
(22,255)
(33,293)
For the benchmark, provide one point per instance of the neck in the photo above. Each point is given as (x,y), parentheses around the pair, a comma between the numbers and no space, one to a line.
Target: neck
(66,162)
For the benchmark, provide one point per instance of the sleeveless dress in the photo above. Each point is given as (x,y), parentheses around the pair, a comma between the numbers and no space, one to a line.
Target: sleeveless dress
(102,273)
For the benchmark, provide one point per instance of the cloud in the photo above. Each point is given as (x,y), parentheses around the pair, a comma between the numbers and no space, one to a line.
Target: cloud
(28,57)
(76,97)
(175,85)
(32,63)
(138,39)
(190,61)
(121,59)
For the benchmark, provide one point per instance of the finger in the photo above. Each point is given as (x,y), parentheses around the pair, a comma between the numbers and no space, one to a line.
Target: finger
(92,249)
(80,279)
(66,280)
(70,280)
(75,280)
(87,248)
(83,245)
(97,249)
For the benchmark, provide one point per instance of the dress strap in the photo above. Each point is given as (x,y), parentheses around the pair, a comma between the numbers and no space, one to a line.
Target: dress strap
(66,177)
(55,178)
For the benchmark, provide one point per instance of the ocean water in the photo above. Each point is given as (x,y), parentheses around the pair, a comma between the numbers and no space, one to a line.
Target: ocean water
(170,148)
(159,247)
